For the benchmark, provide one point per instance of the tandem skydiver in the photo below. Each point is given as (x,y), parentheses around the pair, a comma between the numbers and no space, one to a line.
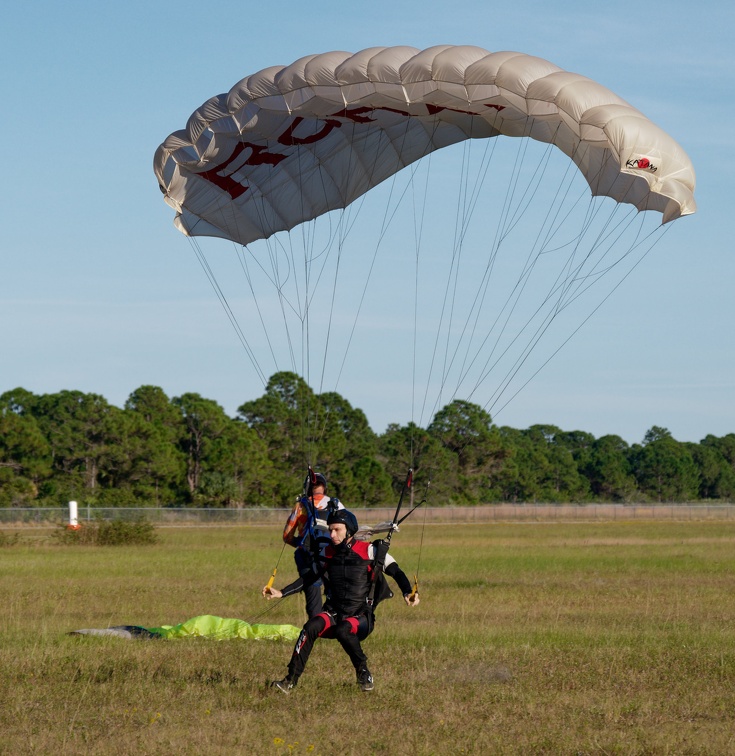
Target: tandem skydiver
(353,587)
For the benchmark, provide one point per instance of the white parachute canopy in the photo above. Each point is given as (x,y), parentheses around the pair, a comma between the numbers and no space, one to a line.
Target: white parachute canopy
(507,249)
(288,144)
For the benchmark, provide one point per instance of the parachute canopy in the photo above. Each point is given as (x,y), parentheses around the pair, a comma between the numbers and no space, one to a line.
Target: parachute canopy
(290,143)
(204,626)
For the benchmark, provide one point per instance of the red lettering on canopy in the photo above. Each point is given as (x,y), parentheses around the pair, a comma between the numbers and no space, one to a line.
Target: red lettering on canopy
(434,109)
(289,139)
(259,156)
(355,114)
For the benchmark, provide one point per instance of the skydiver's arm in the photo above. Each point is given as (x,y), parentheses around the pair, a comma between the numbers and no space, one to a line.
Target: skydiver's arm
(296,587)
(295,525)
(404,584)
(392,569)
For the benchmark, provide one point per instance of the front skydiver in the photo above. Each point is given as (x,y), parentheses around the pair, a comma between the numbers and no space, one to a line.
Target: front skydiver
(352,595)
(306,530)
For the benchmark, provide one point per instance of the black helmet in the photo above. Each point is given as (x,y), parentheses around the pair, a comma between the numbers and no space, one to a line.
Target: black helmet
(346,518)
(318,480)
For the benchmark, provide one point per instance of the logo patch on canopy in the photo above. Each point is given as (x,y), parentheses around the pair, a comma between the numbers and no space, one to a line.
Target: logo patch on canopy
(641,163)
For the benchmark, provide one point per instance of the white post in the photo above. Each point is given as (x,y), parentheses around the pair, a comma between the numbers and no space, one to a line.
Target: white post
(73,516)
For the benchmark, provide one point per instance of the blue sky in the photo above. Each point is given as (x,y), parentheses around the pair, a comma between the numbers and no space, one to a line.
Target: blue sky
(102,294)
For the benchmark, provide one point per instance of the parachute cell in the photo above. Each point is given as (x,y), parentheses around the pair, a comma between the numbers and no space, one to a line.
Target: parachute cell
(288,144)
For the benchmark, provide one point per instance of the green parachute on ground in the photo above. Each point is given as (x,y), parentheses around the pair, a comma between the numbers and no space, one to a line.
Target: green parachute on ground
(205,626)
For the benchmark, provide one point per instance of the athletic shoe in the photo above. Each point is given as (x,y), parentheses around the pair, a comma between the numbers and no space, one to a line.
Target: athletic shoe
(365,679)
(285,686)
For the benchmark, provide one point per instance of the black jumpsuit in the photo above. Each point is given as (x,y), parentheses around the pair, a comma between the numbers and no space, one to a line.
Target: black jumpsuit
(347,616)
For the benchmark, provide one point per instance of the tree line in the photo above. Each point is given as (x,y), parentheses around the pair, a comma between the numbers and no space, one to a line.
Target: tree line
(186,451)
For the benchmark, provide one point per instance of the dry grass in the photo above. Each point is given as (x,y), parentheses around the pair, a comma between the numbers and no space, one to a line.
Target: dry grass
(581,639)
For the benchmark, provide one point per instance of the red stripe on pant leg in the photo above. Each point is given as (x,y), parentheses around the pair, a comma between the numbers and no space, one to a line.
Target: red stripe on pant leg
(353,622)
(328,622)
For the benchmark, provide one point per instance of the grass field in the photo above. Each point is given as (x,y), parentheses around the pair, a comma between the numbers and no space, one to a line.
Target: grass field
(605,638)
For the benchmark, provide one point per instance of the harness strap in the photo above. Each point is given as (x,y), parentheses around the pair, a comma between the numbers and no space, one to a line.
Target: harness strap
(381,551)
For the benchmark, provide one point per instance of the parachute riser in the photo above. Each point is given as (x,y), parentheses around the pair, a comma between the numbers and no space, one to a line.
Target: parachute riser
(406,487)
(383,546)
(308,499)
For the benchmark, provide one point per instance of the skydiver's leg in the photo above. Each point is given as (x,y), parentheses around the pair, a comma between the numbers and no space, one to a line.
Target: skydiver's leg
(313,596)
(312,583)
(349,632)
(317,627)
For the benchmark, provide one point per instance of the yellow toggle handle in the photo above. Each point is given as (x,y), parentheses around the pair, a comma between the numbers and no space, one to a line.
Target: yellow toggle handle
(415,587)
(269,584)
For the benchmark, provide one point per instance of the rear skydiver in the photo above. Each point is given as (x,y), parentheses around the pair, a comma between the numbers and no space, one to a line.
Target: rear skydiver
(306,530)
